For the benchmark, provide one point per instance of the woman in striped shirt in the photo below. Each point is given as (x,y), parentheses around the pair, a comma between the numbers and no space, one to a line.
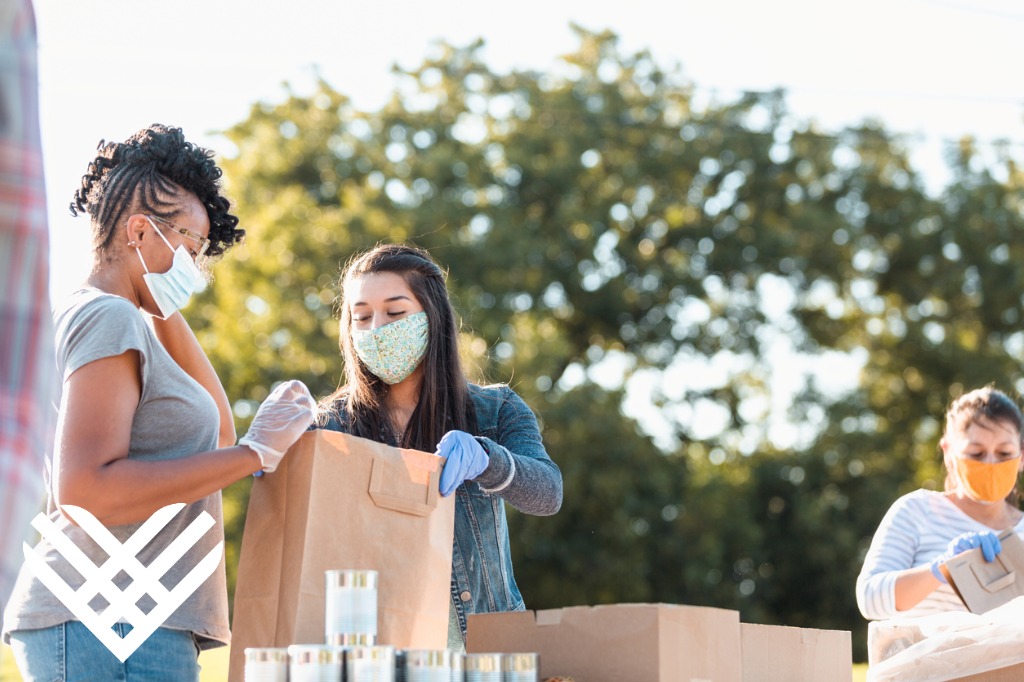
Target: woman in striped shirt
(981,449)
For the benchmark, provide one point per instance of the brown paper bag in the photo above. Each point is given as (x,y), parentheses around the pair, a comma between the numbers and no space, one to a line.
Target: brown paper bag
(341,502)
(984,585)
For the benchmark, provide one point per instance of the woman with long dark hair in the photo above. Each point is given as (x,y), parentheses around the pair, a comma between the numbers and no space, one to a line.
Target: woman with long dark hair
(405,386)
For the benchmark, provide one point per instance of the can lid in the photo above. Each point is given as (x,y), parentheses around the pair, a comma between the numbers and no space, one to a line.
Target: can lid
(428,658)
(521,662)
(266,655)
(351,639)
(315,653)
(350,578)
(377,653)
(482,663)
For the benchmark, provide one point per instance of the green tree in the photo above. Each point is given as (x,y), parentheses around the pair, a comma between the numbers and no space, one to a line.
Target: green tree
(597,223)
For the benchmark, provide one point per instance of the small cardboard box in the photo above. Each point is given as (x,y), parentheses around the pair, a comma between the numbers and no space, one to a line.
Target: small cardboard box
(619,642)
(1011,673)
(776,653)
(984,585)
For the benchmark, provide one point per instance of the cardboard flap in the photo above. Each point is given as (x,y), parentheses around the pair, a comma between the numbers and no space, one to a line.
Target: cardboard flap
(809,635)
(549,617)
(392,488)
(400,479)
(609,622)
(990,584)
(984,585)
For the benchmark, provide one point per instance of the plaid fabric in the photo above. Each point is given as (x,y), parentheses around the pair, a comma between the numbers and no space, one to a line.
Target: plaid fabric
(27,369)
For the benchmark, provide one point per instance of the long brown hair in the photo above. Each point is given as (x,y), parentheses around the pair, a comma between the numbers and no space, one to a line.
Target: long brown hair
(992,405)
(443,402)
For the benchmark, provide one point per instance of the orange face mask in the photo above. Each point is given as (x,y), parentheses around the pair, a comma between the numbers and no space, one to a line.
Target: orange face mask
(987,481)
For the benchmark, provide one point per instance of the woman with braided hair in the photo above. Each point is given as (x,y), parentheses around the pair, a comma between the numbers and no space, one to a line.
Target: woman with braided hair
(144,423)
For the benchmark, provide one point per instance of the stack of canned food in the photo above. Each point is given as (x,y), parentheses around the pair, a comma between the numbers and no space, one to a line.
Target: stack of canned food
(329,663)
(351,653)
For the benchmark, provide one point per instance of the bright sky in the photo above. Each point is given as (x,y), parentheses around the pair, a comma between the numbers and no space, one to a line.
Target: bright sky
(932,68)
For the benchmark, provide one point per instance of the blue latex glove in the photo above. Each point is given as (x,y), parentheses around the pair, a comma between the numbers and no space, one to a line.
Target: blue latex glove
(987,540)
(466,460)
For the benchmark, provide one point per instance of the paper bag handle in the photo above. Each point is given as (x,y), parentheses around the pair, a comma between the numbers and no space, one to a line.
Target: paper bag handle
(1000,583)
(396,502)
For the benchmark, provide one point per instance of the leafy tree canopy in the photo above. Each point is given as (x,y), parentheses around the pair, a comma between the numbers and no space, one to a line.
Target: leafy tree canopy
(597,224)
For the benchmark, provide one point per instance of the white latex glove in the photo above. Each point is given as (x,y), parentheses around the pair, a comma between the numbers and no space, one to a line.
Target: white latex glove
(282,418)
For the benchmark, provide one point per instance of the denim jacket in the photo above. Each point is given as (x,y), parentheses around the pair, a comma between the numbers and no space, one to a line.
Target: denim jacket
(519,472)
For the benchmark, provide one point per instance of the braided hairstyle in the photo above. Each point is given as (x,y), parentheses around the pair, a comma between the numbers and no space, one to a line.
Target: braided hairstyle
(147,173)
(444,402)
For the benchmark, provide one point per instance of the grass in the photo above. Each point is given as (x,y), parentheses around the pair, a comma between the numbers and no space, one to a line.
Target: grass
(214,665)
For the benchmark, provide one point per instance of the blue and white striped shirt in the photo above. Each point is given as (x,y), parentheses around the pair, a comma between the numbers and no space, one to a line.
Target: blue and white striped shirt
(916,529)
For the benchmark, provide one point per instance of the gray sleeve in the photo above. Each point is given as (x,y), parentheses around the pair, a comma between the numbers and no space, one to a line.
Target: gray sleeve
(520,470)
(106,327)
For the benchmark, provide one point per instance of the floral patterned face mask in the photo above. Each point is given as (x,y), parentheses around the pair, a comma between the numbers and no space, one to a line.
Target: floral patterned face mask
(393,351)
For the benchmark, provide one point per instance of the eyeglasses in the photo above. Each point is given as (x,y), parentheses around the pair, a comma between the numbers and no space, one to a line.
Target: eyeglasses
(204,243)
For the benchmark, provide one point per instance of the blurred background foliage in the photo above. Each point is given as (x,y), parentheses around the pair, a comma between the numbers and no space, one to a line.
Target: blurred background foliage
(739,332)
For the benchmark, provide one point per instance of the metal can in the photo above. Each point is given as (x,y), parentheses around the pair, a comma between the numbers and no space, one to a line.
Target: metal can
(483,667)
(428,665)
(315,663)
(370,664)
(458,666)
(520,667)
(350,607)
(266,665)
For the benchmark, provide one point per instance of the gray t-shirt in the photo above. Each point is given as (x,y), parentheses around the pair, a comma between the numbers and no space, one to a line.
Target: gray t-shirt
(175,418)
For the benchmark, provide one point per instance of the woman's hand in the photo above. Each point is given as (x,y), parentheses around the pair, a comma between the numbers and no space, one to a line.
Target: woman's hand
(987,540)
(280,420)
(466,459)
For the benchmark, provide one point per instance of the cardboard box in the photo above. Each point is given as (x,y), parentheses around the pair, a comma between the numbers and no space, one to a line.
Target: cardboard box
(1012,673)
(775,653)
(984,585)
(619,642)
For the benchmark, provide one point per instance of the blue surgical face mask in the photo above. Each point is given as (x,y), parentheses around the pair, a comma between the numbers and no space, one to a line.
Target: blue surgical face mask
(171,290)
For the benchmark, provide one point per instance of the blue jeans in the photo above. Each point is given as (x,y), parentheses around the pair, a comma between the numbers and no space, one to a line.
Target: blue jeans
(69,652)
